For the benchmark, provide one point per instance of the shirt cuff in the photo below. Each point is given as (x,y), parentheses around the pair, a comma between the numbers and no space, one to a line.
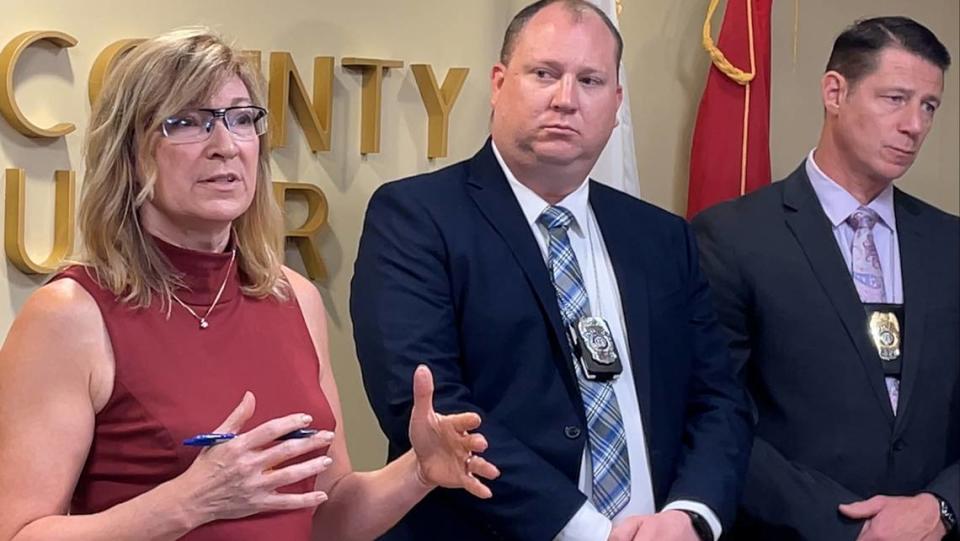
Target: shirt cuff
(700,509)
(587,524)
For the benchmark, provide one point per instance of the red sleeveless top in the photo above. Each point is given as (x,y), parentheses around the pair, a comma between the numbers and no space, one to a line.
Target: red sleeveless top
(175,380)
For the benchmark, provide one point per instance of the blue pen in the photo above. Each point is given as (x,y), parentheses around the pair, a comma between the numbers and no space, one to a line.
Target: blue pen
(206,440)
(299,433)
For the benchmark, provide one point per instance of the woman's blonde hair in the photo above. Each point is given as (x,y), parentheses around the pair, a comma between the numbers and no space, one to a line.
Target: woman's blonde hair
(159,78)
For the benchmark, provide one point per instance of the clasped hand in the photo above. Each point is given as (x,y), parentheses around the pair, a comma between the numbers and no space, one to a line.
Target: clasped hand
(898,518)
(663,526)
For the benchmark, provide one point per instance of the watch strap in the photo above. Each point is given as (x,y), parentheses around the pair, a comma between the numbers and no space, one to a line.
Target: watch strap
(700,525)
(947,515)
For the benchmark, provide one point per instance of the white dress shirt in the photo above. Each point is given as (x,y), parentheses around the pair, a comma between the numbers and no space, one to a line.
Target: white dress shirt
(838,205)
(600,282)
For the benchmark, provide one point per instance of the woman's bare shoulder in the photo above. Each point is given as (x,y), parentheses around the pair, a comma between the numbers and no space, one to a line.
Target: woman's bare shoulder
(61,301)
(306,292)
(60,332)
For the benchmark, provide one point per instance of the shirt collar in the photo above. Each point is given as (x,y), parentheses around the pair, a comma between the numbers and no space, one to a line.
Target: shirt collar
(532,205)
(837,202)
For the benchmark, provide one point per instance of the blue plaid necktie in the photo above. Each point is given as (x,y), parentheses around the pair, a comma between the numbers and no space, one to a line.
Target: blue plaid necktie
(608,443)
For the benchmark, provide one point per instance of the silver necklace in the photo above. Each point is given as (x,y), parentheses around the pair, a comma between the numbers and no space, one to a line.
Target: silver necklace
(593,263)
(203,320)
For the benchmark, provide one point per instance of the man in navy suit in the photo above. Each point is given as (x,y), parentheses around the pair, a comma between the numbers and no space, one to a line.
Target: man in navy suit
(525,287)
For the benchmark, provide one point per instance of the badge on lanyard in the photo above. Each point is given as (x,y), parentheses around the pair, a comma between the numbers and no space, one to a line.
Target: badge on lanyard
(595,349)
(885,333)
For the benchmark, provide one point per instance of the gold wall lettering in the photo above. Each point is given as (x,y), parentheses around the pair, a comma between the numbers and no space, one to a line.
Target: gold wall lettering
(316,218)
(438,100)
(372,69)
(285,92)
(64,222)
(105,62)
(8,64)
(287,87)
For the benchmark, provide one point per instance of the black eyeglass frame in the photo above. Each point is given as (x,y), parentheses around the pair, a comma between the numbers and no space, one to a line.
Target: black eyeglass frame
(222,115)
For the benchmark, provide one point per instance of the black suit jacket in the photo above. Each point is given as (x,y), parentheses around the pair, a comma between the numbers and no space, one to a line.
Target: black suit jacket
(450,274)
(826,432)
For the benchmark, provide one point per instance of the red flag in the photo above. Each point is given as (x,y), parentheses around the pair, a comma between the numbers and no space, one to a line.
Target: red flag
(730,155)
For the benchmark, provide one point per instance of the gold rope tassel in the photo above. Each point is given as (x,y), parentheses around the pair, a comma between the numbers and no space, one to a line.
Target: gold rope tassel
(736,74)
(796,31)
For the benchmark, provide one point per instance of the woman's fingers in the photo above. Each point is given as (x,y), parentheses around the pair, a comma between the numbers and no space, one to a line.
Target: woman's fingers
(441,441)
(463,422)
(473,485)
(293,473)
(422,393)
(290,502)
(237,476)
(476,443)
(477,465)
(239,416)
(290,449)
(268,432)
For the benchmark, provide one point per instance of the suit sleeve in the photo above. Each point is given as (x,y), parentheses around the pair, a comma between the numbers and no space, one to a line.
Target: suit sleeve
(947,486)
(404,314)
(718,425)
(781,497)
(947,483)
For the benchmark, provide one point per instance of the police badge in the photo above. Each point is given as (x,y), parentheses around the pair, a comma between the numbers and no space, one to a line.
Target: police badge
(885,332)
(594,347)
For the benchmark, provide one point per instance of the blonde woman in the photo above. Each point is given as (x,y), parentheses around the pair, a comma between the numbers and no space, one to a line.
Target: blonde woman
(181,322)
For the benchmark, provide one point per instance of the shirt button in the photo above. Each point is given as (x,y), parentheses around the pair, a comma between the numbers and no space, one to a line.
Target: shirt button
(899,445)
(572,432)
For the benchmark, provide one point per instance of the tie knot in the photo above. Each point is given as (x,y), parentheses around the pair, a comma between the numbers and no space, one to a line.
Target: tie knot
(863,217)
(556,217)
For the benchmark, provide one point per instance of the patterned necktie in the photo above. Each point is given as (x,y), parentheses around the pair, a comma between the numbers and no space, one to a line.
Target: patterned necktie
(868,275)
(608,444)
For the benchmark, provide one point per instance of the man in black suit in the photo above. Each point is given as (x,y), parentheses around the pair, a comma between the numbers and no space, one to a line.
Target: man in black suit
(496,270)
(840,294)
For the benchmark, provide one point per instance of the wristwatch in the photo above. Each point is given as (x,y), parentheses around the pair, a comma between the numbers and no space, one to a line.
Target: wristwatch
(947,516)
(700,525)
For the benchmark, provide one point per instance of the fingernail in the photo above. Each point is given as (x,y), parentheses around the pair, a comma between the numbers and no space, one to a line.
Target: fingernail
(306,419)
(326,461)
(325,435)
(322,497)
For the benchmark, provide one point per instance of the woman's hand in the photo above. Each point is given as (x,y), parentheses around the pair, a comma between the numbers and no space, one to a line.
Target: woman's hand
(239,478)
(443,447)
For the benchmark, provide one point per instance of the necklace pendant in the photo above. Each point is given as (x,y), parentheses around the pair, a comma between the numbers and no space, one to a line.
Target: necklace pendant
(203,323)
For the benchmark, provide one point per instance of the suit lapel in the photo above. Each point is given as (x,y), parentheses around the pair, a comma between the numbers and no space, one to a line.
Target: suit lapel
(625,253)
(808,223)
(914,255)
(490,190)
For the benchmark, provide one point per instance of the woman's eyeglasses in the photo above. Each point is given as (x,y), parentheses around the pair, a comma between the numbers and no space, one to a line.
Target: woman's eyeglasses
(196,125)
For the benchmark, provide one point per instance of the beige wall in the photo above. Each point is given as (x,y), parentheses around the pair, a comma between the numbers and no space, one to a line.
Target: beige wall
(665,63)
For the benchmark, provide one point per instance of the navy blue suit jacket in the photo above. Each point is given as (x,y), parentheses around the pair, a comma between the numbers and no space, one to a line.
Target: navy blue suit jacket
(449,274)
